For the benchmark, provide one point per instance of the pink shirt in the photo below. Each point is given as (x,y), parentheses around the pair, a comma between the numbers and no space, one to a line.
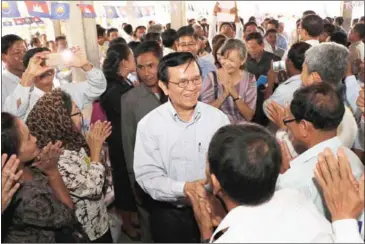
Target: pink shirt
(246,88)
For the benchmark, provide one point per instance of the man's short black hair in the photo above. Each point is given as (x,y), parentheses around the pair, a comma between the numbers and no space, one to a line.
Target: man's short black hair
(359,28)
(186,31)
(319,104)
(34,40)
(271,31)
(313,24)
(174,60)
(28,55)
(226,23)
(255,36)
(148,47)
(169,38)
(329,29)
(111,30)
(296,54)
(249,24)
(339,37)
(246,160)
(339,20)
(362,18)
(7,41)
(252,18)
(274,22)
(60,38)
(133,45)
(100,31)
(118,40)
(308,12)
(128,29)
(152,36)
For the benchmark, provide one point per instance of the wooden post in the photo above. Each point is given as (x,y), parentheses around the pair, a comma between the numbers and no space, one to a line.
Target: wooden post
(178,14)
(347,15)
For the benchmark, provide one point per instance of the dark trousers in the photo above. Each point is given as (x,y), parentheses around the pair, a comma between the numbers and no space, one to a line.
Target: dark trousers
(172,224)
(106,238)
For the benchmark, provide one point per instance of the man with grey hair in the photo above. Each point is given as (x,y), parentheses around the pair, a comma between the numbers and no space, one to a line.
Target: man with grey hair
(155,29)
(327,62)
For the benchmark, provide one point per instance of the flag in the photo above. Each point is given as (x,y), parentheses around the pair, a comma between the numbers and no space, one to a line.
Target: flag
(60,10)
(37,20)
(9,9)
(110,12)
(122,12)
(145,11)
(138,12)
(37,8)
(28,20)
(87,11)
(7,23)
(19,21)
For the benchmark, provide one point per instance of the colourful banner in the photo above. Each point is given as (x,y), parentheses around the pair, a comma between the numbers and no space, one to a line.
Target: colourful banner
(19,21)
(87,10)
(7,23)
(122,11)
(111,12)
(9,9)
(60,11)
(37,8)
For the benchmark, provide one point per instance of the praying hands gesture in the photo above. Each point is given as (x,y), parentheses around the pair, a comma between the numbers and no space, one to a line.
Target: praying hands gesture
(277,113)
(96,137)
(47,160)
(344,195)
(9,179)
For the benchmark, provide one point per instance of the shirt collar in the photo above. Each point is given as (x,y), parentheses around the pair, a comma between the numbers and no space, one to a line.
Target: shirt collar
(175,116)
(12,76)
(293,78)
(332,143)
(312,42)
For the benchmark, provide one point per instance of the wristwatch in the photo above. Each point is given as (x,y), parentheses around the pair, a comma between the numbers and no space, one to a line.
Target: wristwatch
(237,98)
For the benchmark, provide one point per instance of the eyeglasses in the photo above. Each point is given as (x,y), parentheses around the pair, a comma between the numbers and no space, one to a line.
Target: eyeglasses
(75,114)
(185,83)
(286,121)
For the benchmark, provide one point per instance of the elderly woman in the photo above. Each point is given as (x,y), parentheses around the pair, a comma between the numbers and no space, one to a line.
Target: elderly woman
(42,208)
(56,117)
(232,89)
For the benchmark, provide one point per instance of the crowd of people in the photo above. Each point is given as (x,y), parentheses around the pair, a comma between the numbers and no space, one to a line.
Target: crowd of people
(215,132)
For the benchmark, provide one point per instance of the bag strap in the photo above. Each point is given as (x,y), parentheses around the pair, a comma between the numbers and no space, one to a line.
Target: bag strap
(215,85)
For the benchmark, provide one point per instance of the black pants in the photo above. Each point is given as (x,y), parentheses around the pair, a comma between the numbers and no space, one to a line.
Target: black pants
(172,224)
(106,238)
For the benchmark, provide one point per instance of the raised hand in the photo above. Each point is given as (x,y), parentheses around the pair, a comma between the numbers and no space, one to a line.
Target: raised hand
(47,160)
(96,137)
(277,113)
(9,179)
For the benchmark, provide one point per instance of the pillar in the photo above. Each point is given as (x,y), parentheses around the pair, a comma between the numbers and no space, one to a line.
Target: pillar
(56,27)
(347,15)
(178,14)
(132,16)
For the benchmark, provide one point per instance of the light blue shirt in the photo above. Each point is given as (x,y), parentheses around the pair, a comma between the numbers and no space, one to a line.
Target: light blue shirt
(300,175)
(169,152)
(282,42)
(9,82)
(206,67)
(284,92)
(352,93)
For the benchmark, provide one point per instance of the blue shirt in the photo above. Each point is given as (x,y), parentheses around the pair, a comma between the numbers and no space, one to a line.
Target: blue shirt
(169,152)
(282,42)
(206,67)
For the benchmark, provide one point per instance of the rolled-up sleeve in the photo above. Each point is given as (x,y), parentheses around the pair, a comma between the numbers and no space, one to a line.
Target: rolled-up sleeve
(149,170)
(86,92)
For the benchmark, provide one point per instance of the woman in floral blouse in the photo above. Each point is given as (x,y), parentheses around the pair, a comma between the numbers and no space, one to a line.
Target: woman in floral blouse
(232,89)
(42,206)
(56,117)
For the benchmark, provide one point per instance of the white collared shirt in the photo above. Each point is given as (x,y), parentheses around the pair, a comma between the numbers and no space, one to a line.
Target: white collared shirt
(82,93)
(310,42)
(287,217)
(9,82)
(300,175)
(167,50)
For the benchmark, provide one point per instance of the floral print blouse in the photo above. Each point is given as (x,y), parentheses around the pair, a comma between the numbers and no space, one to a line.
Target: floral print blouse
(85,182)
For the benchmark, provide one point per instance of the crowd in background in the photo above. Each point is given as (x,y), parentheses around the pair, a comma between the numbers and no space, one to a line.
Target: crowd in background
(214,132)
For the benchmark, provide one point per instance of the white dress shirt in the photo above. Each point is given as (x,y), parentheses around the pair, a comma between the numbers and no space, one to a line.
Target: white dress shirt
(9,82)
(300,175)
(310,42)
(287,217)
(167,50)
(169,152)
(82,93)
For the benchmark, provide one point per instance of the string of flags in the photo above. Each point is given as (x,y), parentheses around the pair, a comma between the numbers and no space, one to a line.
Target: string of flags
(61,11)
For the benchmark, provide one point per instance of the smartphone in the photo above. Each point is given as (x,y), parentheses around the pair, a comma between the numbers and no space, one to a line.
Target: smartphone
(262,80)
(59,59)
(278,66)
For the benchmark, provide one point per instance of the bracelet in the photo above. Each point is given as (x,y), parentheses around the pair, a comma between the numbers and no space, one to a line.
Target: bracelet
(235,99)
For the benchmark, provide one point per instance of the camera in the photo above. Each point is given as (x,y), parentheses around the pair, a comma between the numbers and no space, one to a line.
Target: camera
(279,66)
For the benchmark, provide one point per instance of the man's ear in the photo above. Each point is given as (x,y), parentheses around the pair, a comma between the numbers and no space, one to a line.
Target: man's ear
(3,57)
(164,88)
(217,188)
(315,77)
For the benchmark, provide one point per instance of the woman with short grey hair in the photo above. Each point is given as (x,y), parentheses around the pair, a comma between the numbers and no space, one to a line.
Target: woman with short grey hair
(232,89)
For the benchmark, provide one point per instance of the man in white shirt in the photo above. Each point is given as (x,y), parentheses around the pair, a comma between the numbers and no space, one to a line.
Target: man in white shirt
(311,28)
(12,54)
(38,79)
(271,36)
(168,40)
(357,35)
(315,113)
(242,169)
(171,146)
